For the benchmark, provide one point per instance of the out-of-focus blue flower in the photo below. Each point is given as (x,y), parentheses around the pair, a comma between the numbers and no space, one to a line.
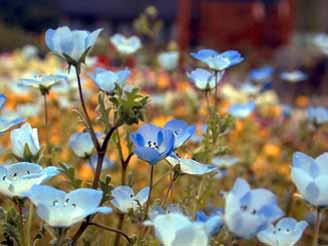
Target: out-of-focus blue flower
(107,80)
(294,76)
(286,232)
(107,164)
(60,209)
(28,109)
(30,51)
(321,41)
(71,44)
(168,60)
(189,166)
(124,198)
(242,111)
(173,228)
(317,115)
(248,211)
(152,143)
(203,79)
(7,121)
(213,222)
(250,88)
(17,178)
(225,161)
(25,141)
(218,61)
(311,177)
(126,45)
(181,131)
(42,82)
(287,110)
(262,74)
(81,143)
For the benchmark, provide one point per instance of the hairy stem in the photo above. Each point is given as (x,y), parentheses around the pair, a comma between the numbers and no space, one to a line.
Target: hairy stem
(317,228)
(46,121)
(29,224)
(151,180)
(123,234)
(119,228)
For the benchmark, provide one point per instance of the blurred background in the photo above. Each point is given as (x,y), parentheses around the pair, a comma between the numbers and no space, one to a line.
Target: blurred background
(269,32)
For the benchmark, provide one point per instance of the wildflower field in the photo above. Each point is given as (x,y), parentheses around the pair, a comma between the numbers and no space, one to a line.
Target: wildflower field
(140,151)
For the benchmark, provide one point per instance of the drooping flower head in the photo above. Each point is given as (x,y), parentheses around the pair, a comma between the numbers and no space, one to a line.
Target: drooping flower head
(125,199)
(107,164)
(218,61)
(152,143)
(60,209)
(286,232)
(204,79)
(168,60)
(262,74)
(43,82)
(126,45)
(310,177)
(25,142)
(248,211)
(107,80)
(317,115)
(181,130)
(242,110)
(7,121)
(73,45)
(81,144)
(17,178)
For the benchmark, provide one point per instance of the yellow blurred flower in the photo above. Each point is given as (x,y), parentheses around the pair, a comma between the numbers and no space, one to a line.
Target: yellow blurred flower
(272,150)
(302,101)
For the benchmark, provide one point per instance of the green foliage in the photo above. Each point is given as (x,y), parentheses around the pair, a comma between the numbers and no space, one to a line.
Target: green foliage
(217,127)
(11,227)
(129,106)
(69,172)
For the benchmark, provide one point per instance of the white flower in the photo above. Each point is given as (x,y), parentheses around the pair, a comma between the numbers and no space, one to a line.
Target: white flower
(126,45)
(61,209)
(125,199)
(25,136)
(71,44)
(15,179)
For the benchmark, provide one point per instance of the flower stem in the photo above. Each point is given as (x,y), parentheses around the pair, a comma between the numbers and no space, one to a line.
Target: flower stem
(123,234)
(85,111)
(216,89)
(317,227)
(46,121)
(119,228)
(29,224)
(169,190)
(151,180)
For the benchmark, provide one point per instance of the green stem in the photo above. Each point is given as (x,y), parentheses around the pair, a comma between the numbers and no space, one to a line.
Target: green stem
(317,228)
(151,180)
(119,228)
(46,121)
(121,233)
(169,190)
(29,224)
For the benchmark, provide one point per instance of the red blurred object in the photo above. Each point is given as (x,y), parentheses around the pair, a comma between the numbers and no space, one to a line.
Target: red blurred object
(235,24)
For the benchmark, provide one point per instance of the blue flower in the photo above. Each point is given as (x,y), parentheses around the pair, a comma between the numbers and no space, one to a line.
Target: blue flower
(81,143)
(293,76)
(168,60)
(286,232)
(189,166)
(242,110)
(262,74)
(248,211)
(173,228)
(125,200)
(317,115)
(218,61)
(17,178)
(152,143)
(25,141)
(250,88)
(213,222)
(225,161)
(7,121)
(43,82)
(126,45)
(72,45)
(107,164)
(60,209)
(287,110)
(311,177)
(107,80)
(203,79)
(181,130)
